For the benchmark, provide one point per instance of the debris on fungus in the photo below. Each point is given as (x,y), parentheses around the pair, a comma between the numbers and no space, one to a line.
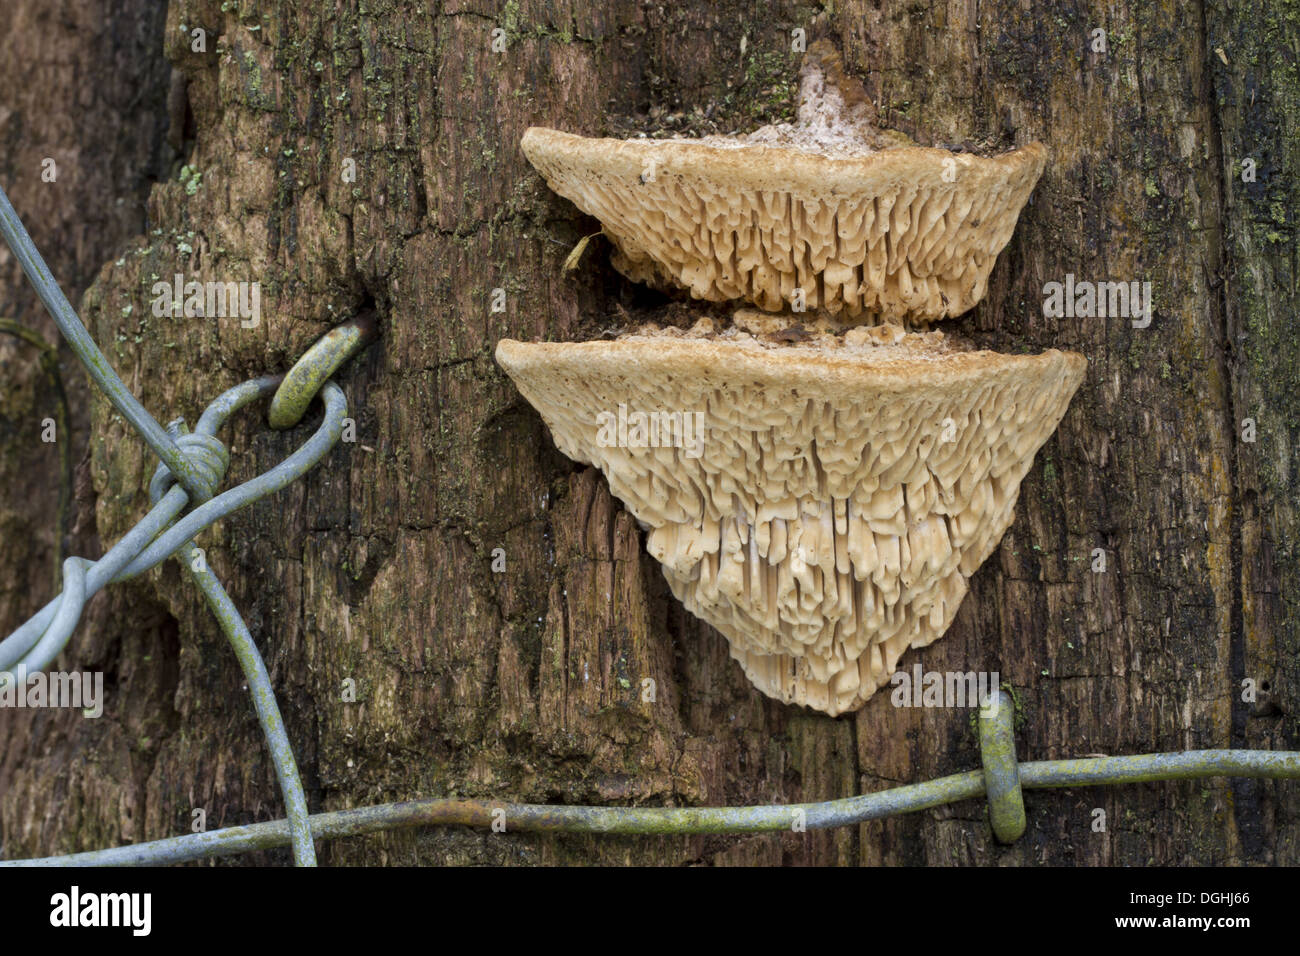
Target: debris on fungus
(825,213)
(820,502)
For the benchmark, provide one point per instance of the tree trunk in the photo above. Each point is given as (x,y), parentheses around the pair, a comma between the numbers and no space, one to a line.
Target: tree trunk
(525,685)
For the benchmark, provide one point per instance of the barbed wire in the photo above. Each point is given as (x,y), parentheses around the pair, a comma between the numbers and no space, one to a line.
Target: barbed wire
(192,467)
(1006,806)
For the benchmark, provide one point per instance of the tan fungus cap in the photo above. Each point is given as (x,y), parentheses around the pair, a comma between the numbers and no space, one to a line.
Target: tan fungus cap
(899,232)
(838,496)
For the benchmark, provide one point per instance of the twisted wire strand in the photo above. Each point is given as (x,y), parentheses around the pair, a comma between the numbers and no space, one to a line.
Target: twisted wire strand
(24,250)
(268,711)
(148,544)
(39,640)
(72,600)
(192,466)
(213,460)
(665,821)
(98,573)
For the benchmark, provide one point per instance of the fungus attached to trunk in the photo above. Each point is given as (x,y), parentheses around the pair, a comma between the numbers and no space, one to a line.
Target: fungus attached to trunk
(819,498)
(825,213)
(822,502)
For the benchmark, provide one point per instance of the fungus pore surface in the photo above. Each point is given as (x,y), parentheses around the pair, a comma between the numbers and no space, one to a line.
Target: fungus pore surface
(825,213)
(826,506)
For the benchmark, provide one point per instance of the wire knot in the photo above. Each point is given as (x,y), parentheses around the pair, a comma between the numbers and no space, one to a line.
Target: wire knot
(209,457)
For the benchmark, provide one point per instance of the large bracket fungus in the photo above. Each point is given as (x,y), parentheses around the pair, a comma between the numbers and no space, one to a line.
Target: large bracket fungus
(840,496)
(826,213)
(819,496)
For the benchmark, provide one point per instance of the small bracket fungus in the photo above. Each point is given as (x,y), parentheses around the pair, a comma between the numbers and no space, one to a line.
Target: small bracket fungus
(841,491)
(826,213)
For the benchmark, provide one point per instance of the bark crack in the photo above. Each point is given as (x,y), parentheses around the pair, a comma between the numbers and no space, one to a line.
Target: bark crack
(1246,807)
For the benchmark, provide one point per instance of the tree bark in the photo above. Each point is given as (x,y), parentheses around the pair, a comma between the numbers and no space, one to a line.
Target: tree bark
(525,685)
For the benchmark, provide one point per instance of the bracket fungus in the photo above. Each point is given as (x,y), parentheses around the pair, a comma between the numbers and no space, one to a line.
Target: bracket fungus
(825,213)
(819,496)
(841,495)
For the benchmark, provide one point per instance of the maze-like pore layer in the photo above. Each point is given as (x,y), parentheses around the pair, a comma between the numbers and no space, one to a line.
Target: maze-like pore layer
(822,505)
(903,233)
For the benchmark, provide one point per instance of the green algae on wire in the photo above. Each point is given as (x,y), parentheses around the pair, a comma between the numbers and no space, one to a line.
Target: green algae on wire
(318,363)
